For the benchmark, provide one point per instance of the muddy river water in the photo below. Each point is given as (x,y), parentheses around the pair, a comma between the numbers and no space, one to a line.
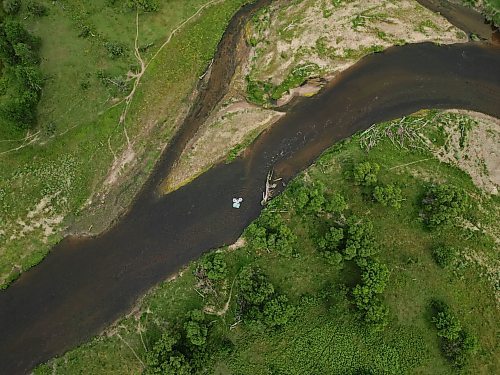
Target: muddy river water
(87,283)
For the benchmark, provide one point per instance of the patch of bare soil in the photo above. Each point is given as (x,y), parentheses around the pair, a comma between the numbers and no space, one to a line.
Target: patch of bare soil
(477,151)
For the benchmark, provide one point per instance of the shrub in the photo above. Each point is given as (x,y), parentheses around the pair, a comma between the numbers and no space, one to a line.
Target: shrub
(443,204)
(196,328)
(444,256)
(11,6)
(143,5)
(366,173)
(457,344)
(336,204)
(164,359)
(254,286)
(389,195)
(36,9)
(213,266)
(374,280)
(115,49)
(360,242)
(277,311)
(271,233)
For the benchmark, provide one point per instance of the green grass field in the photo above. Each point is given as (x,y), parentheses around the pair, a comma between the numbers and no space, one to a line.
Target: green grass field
(326,335)
(48,175)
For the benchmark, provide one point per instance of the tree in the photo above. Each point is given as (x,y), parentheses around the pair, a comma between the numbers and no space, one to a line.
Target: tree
(254,286)
(389,195)
(196,328)
(336,204)
(36,9)
(214,266)
(143,5)
(360,241)
(331,240)
(271,233)
(277,311)
(11,6)
(375,276)
(164,359)
(366,173)
(443,204)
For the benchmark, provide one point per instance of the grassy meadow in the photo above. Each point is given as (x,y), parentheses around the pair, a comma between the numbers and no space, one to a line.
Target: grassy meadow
(325,334)
(53,176)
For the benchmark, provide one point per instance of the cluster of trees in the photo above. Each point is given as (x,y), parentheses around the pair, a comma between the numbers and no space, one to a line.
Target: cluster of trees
(353,240)
(213,266)
(270,233)
(182,350)
(443,204)
(366,174)
(313,199)
(367,294)
(21,76)
(259,301)
(457,344)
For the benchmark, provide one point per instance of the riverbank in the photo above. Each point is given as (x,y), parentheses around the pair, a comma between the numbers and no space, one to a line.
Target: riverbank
(325,317)
(280,42)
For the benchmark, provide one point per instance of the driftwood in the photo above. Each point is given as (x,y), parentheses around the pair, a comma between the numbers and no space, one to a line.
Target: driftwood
(270,186)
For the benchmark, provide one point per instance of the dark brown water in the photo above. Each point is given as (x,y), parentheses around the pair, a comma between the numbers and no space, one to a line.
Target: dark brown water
(85,284)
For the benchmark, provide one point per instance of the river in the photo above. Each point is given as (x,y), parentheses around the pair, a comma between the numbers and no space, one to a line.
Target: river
(85,284)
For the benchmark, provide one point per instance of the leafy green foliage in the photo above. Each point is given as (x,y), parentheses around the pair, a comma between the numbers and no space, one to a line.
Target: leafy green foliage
(360,241)
(271,233)
(36,9)
(444,255)
(278,311)
(11,6)
(389,195)
(457,344)
(443,204)
(374,280)
(114,49)
(213,266)
(196,328)
(143,5)
(297,77)
(164,358)
(254,286)
(365,173)
(261,304)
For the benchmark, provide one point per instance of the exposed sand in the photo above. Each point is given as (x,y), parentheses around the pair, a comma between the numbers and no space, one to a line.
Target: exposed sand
(480,156)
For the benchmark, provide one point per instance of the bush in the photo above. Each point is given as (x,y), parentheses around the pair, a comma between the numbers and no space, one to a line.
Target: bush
(389,195)
(277,311)
(374,280)
(115,49)
(271,233)
(36,9)
(443,204)
(11,6)
(444,256)
(360,242)
(457,344)
(143,5)
(165,359)
(213,266)
(196,328)
(254,286)
(366,173)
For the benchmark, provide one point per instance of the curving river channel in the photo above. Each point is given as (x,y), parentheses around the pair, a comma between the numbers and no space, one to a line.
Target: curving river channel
(87,283)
